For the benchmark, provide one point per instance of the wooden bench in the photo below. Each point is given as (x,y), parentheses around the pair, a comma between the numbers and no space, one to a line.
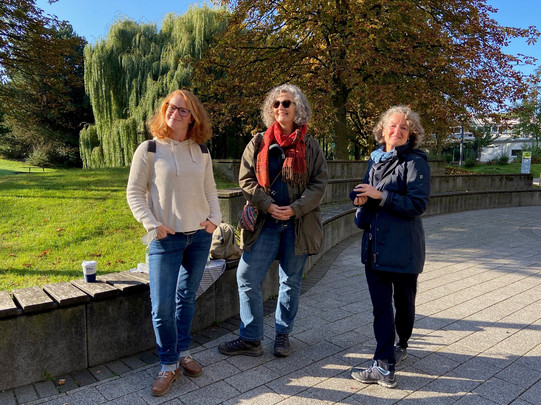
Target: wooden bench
(33,167)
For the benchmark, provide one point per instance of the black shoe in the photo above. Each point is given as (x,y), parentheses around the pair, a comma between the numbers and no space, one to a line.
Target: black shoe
(378,373)
(281,345)
(239,346)
(400,354)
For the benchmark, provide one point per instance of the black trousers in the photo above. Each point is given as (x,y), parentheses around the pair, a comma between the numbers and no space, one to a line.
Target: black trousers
(383,286)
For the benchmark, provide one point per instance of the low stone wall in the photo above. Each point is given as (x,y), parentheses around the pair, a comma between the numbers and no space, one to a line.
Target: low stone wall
(338,169)
(445,203)
(232,200)
(473,183)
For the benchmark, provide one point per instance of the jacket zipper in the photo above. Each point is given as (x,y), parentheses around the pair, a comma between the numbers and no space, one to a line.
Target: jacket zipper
(372,238)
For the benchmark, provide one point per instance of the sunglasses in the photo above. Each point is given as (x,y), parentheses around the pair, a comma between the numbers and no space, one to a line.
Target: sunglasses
(285,103)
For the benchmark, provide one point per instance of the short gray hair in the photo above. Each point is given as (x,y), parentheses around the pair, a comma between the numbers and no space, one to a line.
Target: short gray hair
(303,111)
(417,131)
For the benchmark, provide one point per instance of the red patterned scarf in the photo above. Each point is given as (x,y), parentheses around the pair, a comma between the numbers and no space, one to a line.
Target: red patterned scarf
(294,167)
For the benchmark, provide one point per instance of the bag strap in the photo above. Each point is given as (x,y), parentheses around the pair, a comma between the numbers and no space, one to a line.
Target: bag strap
(151,149)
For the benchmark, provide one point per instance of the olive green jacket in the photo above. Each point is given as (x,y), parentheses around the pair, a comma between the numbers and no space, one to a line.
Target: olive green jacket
(304,201)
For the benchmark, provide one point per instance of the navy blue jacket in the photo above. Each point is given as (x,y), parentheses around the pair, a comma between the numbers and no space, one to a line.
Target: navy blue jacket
(393,238)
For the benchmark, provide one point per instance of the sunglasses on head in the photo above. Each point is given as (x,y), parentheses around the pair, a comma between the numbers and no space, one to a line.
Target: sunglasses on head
(285,103)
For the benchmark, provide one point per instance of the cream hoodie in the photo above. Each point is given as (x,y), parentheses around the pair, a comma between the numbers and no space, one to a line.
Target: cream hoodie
(180,192)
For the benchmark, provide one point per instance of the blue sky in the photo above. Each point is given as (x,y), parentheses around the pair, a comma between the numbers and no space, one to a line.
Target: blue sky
(92,18)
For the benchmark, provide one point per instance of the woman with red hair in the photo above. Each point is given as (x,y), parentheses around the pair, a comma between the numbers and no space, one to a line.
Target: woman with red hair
(171,191)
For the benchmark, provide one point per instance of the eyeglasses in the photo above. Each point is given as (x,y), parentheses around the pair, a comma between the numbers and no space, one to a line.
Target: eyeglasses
(285,103)
(183,112)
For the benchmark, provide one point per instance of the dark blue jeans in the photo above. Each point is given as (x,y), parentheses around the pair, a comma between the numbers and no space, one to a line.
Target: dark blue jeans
(176,266)
(276,240)
(383,286)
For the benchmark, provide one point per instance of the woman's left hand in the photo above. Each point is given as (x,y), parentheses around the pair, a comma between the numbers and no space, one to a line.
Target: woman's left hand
(209,226)
(366,190)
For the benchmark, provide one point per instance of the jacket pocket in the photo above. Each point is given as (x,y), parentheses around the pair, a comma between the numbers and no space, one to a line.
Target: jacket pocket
(310,233)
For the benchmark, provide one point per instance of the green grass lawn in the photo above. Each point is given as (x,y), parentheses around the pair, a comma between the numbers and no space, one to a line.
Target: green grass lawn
(512,168)
(50,222)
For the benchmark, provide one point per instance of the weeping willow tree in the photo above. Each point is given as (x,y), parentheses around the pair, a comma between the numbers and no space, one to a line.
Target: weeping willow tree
(128,72)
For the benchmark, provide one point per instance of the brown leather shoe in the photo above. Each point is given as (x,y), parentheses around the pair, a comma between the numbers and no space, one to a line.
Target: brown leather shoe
(190,367)
(163,382)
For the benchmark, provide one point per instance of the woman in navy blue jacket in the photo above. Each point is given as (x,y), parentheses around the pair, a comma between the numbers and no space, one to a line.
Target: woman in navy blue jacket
(394,193)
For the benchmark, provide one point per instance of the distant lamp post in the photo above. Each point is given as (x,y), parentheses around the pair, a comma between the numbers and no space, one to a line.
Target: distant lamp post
(461,157)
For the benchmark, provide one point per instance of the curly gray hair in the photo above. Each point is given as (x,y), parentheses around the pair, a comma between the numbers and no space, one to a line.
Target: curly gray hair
(303,111)
(417,131)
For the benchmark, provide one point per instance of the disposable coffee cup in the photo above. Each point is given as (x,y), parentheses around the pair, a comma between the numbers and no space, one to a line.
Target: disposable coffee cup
(89,270)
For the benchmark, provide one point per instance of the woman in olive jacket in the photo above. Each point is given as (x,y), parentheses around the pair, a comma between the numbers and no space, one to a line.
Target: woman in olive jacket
(394,193)
(283,175)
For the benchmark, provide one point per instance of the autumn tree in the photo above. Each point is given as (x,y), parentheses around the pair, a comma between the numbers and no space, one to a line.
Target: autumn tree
(42,90)
(131,70)
(528,113)
(354,59)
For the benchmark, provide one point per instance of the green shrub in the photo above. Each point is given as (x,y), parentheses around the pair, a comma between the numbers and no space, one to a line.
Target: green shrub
(470,162)
(502,158)
(448,157)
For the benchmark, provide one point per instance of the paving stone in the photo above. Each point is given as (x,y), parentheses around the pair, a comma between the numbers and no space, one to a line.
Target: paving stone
(499,391)
(520,375)
(532,394)
(258,396)
(127,384)
(25,394)
(7,398)
(133,362)
(436,364)
(131,399)
(211,394)
(216,372)
(101,373)
(118,367)
(250,379)
(83,377)
(85,396)
(476,399)
(45,389)
(148,357)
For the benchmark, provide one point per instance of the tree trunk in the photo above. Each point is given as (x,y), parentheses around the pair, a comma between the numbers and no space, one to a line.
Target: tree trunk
(340,127)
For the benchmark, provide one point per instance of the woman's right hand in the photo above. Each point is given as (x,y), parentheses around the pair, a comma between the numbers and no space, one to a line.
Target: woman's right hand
(366,190)
(358,199)
(163,231)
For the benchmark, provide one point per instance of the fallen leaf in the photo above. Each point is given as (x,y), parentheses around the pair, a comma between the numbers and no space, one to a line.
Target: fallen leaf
(44,253)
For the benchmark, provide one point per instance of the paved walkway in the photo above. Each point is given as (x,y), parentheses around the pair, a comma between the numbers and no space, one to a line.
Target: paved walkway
(477,337)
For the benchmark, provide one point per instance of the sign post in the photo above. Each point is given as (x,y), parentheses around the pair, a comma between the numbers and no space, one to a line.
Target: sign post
(526,162)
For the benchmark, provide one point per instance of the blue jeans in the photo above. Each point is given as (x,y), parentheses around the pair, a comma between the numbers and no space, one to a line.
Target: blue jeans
(276,240)
(176,265)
